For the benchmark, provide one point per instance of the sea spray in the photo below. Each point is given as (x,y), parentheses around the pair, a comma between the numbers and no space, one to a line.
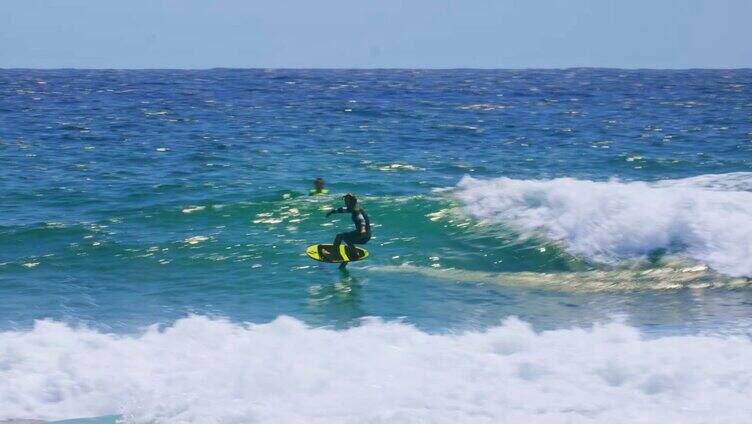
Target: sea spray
(707,219)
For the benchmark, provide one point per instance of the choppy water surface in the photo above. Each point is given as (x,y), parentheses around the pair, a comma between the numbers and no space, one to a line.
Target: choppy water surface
(566,198)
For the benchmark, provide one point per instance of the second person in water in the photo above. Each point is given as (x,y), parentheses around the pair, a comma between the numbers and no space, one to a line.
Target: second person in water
(318,188)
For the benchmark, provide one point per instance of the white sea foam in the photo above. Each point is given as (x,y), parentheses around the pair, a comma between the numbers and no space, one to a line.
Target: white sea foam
(201,370)
(399,167)
(708,218)
(191,209)
(196,239)
(667,277)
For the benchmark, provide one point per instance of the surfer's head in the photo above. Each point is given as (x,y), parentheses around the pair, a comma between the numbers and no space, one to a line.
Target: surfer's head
(319,183)
(350,201)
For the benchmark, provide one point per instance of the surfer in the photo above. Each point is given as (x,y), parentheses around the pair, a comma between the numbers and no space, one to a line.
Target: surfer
(362,232)
(318,187)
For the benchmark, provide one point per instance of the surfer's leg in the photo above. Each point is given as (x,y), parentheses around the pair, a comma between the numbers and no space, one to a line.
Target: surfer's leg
(350,238)
(338,240)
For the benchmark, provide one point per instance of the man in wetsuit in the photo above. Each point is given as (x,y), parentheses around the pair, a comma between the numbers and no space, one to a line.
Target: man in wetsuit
(362,232)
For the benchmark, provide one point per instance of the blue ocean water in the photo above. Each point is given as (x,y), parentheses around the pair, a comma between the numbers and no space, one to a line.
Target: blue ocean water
(178,201)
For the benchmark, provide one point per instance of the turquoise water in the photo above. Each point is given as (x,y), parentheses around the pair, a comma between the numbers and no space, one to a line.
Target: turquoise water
(566,198)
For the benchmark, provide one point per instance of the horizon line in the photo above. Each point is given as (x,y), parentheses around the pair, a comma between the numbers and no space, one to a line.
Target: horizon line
(386,68)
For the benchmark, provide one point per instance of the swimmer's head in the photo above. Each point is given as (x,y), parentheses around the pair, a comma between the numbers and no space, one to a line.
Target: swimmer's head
(319,183)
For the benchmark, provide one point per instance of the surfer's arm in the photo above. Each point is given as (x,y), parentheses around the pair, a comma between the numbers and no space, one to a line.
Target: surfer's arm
(361,224)
(338,210)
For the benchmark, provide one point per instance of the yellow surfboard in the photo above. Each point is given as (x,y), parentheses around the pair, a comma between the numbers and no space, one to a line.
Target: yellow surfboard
(327,253)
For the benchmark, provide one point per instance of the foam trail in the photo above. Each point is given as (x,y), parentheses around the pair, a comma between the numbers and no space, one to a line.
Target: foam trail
(707,218)
(201,370)
(619,280)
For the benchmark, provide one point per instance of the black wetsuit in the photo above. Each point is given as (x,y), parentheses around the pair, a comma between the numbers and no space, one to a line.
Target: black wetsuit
(360,219)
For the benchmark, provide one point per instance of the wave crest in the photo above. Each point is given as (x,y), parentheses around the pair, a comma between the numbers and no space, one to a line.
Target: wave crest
(708,218)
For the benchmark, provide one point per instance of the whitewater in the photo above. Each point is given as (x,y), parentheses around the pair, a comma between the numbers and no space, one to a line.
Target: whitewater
(707,218)
(203,370)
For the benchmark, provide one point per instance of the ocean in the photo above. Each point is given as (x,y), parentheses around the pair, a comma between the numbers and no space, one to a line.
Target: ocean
(549,246)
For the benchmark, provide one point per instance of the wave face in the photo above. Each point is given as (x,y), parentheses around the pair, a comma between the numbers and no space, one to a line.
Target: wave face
(707,218)
(202,370)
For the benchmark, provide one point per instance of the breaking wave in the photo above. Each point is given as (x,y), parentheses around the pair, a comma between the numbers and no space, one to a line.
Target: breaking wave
(706,218)
(202,370)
